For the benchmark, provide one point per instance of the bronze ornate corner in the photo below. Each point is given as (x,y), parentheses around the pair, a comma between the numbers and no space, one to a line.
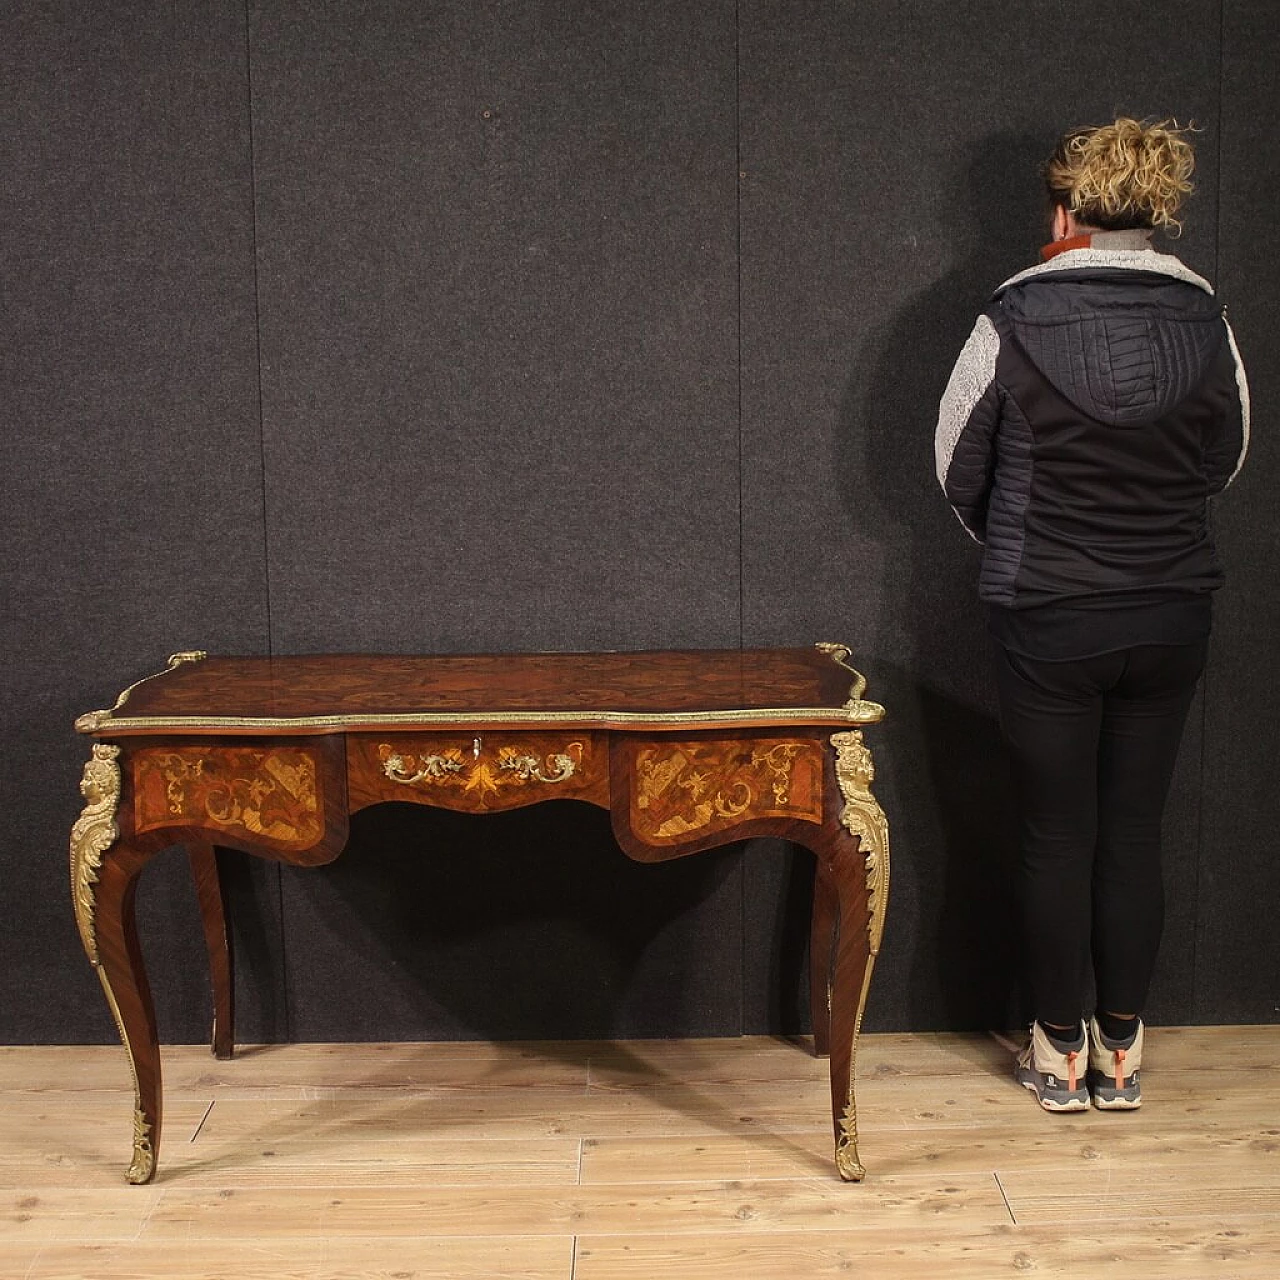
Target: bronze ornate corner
(863,712)
(863,817)
(93,721)
(94,832)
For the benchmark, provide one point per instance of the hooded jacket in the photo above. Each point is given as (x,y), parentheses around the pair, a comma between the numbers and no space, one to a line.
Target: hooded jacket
(1098,404)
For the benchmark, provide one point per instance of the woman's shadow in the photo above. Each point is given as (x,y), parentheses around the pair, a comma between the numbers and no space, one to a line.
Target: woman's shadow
(953,814)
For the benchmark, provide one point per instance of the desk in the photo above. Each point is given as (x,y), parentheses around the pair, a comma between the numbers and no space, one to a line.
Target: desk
(687,750)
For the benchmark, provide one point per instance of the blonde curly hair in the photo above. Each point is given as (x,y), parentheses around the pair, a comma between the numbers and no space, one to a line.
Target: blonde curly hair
(1125,175)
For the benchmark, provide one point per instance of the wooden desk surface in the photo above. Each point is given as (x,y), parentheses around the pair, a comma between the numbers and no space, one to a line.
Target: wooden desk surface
(625,690)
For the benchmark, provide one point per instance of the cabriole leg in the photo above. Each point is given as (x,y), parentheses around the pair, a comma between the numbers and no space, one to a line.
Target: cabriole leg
(849,982)
(124,979)
(104,881)
(854,859)
(821,938)
(217,938)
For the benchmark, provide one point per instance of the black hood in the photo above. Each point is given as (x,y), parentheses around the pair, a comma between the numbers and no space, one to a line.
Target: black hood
(1124,346)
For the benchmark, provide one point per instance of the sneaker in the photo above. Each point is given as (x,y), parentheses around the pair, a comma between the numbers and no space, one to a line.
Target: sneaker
(1056,1078)
(1113,1077)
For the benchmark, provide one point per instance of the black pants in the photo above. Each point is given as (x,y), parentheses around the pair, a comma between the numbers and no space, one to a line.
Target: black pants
(1093,744)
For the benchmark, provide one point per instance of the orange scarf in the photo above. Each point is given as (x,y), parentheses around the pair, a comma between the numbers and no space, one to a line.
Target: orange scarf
(1061,246)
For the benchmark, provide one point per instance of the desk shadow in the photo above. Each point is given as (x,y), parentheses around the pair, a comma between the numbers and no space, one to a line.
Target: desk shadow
(953,804)
(408,1101)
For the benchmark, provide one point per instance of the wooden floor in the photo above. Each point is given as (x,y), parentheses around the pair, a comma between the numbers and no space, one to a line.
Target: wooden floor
(707,1159)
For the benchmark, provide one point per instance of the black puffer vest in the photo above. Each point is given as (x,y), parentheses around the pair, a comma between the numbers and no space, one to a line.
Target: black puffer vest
(1115,385)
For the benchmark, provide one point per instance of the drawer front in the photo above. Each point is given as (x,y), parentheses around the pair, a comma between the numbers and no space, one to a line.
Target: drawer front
(477,773)
(270,795)
(702,788)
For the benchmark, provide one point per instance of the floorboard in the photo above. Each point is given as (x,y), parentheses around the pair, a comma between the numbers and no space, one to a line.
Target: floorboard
(614,1161)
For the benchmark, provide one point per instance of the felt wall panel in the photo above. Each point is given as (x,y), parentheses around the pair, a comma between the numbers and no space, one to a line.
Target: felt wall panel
(496,259)
(497,273)
(392,326)
(889,182)
(132,462)
(1237,959)
(522,925)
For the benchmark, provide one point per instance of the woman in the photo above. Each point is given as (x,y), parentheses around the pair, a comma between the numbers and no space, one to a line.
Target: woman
(1097,406)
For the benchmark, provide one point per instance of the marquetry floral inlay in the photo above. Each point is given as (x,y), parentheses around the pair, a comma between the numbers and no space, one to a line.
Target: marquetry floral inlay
(270,794)
(708,786)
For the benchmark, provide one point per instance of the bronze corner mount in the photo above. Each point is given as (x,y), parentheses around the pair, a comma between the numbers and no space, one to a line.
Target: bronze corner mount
(96,721)
(863,712)
(94,832)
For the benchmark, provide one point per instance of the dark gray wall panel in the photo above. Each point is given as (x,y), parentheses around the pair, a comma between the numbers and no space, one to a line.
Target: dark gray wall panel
(777,905)
(497,266)
(498,299)
(525,925)
(496,255)
(890,182)
(131,512)
(1238,960)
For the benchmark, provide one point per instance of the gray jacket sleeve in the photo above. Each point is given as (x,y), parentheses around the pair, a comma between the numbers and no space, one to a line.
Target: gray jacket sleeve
(1229,442)
(964,442)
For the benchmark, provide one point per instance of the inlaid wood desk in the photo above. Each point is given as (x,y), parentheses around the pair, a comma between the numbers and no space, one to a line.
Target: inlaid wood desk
(687,750)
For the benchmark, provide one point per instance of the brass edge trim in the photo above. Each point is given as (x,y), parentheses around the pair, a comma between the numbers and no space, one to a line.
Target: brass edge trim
(94,832)
(92,721)
(862,713)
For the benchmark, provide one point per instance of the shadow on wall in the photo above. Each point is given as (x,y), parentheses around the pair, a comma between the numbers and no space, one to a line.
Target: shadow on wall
(953,806)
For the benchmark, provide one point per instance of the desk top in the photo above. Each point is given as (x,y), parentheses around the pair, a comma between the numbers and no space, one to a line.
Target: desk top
(337,693)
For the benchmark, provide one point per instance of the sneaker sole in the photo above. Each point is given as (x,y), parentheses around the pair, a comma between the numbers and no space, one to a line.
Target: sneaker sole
(1116,1104)
(1070,1102)
(1106,1097)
